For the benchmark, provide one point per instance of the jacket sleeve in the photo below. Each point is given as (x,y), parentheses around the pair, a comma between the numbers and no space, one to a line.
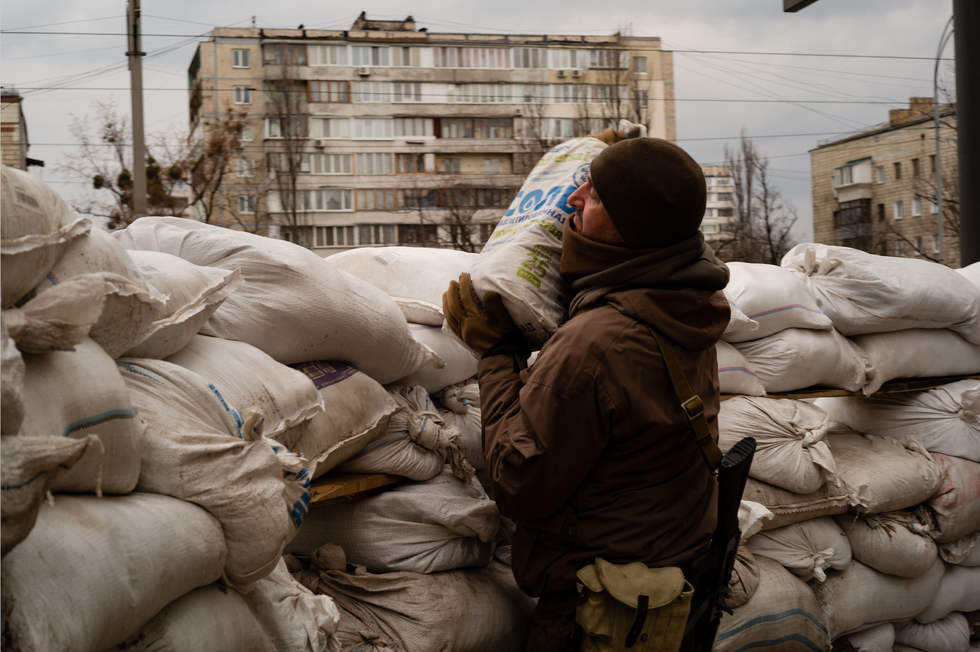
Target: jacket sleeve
(539,442)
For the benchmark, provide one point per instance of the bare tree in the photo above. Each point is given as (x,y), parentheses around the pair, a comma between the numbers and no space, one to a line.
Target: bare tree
(104,159)
(760,228)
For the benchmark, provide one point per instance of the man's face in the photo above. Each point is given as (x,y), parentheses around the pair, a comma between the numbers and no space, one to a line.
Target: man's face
(591,218)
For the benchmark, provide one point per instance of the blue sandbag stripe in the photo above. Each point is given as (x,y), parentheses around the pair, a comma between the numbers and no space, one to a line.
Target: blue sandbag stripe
(88,422)
(748,371)
(799,638)
(772,618)
(775,310)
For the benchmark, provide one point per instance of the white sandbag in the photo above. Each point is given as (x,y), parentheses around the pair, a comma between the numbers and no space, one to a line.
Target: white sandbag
(459,407)
(806,549)
(28,465)
(94,570)
(866,293)
(860,597)
(11,382)
(416,443)
(734,374)
(133,309)
(357,409)
(971,273)
(791,451)
(751,517)
(216,460)
(294,306)
(944,420)
(193,294)
(76,393)
(797,358)
(210,618)
(787,507)
(59,318)
(467,610)
(782,615)
(744,580)
(772,297)
(415,277)
(880,638)
(460,361)
(521,259)
(36,227)
(918,353)
(293,617)
(738,321)
(248,378)
(956,503)
(949,634)
(896,543)
(418,527)
(965,551)
(883,474)
(960,591)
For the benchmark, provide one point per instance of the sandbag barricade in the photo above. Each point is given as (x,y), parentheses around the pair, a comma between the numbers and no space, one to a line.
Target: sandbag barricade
(735,376)
(460,361)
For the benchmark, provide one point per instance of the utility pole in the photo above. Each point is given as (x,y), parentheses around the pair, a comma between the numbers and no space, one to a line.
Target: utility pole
(136,93)
(966,25)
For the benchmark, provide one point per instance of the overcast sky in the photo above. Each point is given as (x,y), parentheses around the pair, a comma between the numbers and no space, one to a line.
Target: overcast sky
(833,68)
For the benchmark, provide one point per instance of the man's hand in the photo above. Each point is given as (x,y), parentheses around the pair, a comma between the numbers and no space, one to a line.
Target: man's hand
(480,324)
(610,136)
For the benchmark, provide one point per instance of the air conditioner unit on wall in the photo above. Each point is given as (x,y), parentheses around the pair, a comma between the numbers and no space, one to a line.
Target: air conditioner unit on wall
(518,112)
(561,73)
(576,73)
(320,142)
(363,72)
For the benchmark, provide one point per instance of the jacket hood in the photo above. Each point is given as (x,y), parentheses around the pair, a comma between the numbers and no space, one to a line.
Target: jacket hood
(692,319)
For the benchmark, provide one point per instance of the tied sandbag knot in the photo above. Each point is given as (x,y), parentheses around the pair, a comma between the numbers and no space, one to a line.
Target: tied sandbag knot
(428,430)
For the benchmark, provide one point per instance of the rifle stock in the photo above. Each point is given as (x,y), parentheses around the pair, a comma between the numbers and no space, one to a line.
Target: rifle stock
(710,572)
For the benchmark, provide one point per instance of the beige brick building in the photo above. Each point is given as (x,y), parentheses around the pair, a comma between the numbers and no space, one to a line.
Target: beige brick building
(13,130)
(386,134)
(876,190)
(719,212)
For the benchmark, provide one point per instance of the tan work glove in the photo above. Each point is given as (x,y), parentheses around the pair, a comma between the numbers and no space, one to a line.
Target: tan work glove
(480,324)
(610,136)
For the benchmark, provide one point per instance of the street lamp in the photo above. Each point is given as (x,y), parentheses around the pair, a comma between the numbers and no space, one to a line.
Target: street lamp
(947,32)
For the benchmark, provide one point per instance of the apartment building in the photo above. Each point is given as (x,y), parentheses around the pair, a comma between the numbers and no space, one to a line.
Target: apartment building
(13,131)
(720,209)
(876,190)
(387,134)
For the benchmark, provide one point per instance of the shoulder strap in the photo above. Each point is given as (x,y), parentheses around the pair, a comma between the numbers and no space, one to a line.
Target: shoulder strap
(691,403)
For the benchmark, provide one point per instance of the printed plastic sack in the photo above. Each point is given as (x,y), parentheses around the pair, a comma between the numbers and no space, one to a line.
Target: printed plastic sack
(520,260)
(293,305)
(36,227)
(734,374)
(918,353)
(415,277)
(774,299)
(866,293)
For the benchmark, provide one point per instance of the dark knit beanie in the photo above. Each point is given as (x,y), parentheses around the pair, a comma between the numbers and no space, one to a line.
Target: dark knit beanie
(653,191)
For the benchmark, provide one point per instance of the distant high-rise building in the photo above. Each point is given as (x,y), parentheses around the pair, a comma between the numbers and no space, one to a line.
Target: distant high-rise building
(720,208)
(13,131)
(386,134)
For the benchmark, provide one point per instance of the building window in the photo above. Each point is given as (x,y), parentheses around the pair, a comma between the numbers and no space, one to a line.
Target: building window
(916,206)
(530,57)
(245,167)
(329,127)
(374,163)
(709,228)
(328,55)
(369,55)
(329,91)
(289,163)
(724,196)
(330,200)
(918,244)
(415,163)
(608,59)
(243,95)
(334,236)
(405,57)
(935,244)
(726,212)
(569,59)
(639,65)
(247,132)
(376,199)
(285,127)
(490,128)
(932,164)
(372,91)
(933,206)
(898,171)
(246,204)
(491,166)
(330,164)
(641,98)
(373,128)
(472,58)
(898,210)
(408,91)
(284,54)
(880,174)
(881,212)
(418,234)
(844,176)
(240,59)
(376,234)
(451,165)
(915,167)
(900,247)
(414,127)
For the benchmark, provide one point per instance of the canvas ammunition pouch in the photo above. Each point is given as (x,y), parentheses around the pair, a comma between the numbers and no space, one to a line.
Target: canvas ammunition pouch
(632,607)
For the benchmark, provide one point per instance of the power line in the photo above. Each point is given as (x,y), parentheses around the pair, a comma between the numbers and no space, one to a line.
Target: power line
(70,22)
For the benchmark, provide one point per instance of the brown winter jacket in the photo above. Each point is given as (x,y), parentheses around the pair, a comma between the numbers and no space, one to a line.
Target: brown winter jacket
(589,450)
